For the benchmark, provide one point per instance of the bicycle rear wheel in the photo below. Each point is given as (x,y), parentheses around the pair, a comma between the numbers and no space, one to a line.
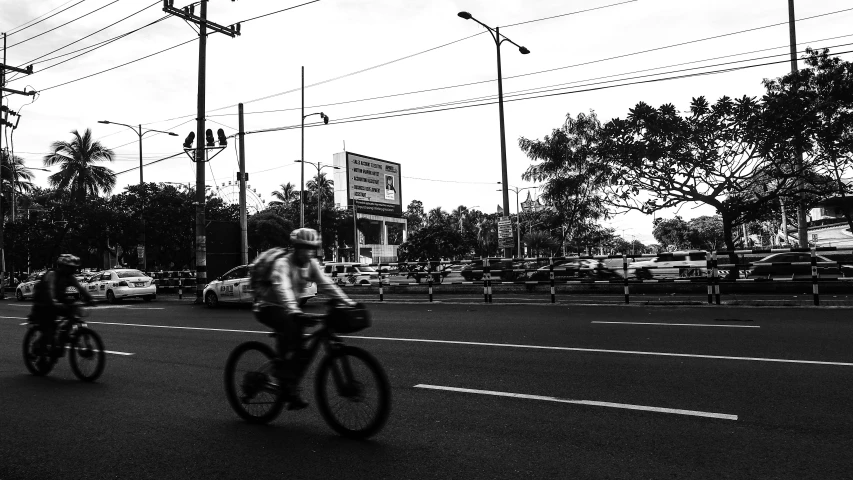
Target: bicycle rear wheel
(87,354)
(353,393)
(39,365)
(248,372)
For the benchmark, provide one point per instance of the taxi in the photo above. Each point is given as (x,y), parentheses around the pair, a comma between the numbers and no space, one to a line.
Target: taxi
(235,286)
(119,283)
(26,288)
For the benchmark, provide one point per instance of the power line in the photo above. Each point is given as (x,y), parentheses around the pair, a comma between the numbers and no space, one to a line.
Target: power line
(150,163)
(96,46)
(515,76)
(567,14)
(411,111)
(487,81)
(17,29)
(119,66)
(87,36)
(278,11)
(64,24)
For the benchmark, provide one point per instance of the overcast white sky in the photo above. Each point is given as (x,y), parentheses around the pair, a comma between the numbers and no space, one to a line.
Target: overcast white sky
(447,158)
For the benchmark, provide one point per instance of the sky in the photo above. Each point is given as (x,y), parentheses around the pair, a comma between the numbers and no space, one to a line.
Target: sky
(588,57)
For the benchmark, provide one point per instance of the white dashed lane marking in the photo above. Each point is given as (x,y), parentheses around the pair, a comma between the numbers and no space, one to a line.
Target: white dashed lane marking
(624,406)
(679,324)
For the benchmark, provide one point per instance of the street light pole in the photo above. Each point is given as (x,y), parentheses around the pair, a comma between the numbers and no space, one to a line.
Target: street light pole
(302,156)
(140,133)
(517,210)
(496,36)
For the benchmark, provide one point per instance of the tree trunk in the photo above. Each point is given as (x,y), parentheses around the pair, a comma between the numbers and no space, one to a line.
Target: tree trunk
(728,227)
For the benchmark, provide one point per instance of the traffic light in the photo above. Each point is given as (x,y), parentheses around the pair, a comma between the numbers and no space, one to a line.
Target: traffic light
(222,140)
(208,135)
(325,118)
(188,143)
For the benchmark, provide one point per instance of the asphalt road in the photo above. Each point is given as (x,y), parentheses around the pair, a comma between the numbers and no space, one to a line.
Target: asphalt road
(479,391)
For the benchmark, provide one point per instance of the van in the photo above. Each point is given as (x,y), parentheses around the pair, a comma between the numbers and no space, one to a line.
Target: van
(671,265)
(351,273)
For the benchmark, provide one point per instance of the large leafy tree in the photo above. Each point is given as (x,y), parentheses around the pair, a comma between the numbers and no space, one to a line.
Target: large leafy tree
(432,242)
(78,174)
(717,154)
(414,215)
(811,110)
(573,174)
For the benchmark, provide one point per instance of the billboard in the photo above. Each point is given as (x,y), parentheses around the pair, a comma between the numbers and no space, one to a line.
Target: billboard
(373,184)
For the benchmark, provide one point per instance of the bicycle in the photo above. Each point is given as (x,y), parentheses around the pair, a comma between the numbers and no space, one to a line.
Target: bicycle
(84,344)
(346,373)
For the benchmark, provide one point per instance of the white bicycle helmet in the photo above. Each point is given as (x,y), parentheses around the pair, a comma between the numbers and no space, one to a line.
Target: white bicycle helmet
(69,260)
(305,237)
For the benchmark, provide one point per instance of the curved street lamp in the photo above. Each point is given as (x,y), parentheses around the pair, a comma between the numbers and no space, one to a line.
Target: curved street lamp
(140,133)
(499,39)
(517,209)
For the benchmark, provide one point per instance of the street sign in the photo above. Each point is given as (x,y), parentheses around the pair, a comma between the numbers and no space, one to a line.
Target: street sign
(505,239)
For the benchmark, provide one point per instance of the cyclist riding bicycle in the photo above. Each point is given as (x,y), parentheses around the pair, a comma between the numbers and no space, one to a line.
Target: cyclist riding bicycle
(50,300)
(277,307)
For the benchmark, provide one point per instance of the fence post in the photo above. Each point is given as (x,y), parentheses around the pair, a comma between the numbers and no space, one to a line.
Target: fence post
(814,278)
(716,275)
(551,272)
(625,274)
(708,273)
(487,279)
(485,289)
(381,282)
(180,288)
(429,277)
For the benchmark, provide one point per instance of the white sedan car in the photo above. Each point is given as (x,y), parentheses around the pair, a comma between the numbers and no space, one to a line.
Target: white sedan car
(120,283)
(233,286)
(27,287)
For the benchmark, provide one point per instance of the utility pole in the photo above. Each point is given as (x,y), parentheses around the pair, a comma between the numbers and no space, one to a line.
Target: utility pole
(802,227)
(302,157)
(200,237)
(4,122)
(243,178)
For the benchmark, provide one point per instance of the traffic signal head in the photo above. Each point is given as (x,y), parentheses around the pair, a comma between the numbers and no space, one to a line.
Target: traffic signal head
(221,135)
(188,143)
(208,135)
(325,118)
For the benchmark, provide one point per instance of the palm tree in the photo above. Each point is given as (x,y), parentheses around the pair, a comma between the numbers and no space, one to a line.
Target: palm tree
(436,216)
(326,188)
(23,176)
(487,234)
(77,174)
(539,242)
(284,196)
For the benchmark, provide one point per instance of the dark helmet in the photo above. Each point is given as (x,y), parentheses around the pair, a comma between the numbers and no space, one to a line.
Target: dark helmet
(305,237)
(68,260)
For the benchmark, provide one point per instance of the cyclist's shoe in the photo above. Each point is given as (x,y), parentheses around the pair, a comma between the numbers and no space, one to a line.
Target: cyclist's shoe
(294,400)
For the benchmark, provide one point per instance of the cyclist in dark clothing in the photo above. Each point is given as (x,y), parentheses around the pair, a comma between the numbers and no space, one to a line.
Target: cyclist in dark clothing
(50,300)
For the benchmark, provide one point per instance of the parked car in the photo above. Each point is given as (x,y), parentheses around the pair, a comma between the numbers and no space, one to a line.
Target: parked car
(119,283)
(26,288)
(782,265)
(675,265)
(504,269)
(573,269)
(351,273)
(234,286)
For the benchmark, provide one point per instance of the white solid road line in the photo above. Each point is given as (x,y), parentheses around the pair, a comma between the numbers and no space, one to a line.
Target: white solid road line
(679,324)
(511,345)
(626,406)
(601,350)
(182,328)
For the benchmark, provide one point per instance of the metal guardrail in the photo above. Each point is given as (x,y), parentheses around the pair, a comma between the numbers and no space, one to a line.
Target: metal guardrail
(715,273)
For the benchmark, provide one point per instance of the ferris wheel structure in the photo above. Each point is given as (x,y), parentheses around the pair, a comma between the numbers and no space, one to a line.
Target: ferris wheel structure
(229,192)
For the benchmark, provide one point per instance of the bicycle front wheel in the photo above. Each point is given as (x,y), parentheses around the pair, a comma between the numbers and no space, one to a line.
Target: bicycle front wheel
(87,354)
(353,393)
(248,372)
(38,363)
